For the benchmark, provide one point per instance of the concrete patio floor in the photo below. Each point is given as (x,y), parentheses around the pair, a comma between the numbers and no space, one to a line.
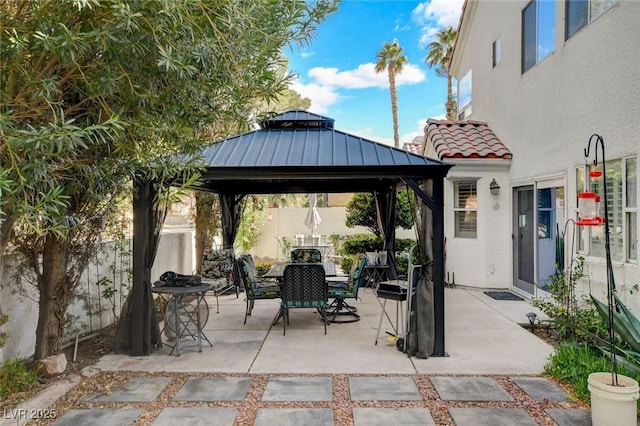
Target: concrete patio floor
(482,336)
(255,375)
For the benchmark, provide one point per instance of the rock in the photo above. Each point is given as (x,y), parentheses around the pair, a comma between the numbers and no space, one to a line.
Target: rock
(53,365)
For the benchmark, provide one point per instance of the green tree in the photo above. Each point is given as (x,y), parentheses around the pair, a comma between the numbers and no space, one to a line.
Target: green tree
(439,56)
(93,92)
(361,211)
(391,59)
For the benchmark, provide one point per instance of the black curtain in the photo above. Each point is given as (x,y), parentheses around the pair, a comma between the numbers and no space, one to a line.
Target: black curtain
(232,206)
(428,327)
(386,208)
(138,329)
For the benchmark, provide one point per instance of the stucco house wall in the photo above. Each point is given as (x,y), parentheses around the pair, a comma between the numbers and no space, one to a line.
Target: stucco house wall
(545,116)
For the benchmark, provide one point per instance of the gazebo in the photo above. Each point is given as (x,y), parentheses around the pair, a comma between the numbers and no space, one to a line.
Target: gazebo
(297,152)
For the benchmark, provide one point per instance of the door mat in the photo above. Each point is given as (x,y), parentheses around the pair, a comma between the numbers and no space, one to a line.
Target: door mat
(502,295)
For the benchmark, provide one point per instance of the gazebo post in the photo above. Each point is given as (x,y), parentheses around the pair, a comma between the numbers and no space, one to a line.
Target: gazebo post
(438,265)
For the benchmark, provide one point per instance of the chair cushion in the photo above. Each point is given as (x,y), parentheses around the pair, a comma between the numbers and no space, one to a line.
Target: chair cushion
(217,268)
(306,256)
(265,289)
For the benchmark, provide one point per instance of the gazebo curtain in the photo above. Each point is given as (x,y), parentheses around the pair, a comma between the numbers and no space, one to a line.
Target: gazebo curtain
(138,330)
(232,206)
(428,328)
(386,208)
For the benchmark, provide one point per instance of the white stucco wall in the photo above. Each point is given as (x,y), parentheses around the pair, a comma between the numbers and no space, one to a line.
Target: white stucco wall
(175,252)
(479,262)
(287,222)
(545,116)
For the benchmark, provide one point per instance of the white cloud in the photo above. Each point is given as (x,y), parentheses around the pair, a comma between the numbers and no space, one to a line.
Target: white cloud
(326,81)
(444,13)
(364,77)
(322,97)
(435,15)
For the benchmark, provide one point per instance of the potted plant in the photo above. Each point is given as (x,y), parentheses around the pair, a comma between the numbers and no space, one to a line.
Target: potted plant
(613,396)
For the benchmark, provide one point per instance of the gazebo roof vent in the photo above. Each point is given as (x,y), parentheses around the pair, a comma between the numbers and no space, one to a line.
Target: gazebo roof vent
(297,118)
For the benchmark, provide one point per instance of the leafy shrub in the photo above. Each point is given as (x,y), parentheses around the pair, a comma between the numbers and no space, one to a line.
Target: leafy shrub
(573,319)
(572,363)
(263,268)
(361,243)
(16,377)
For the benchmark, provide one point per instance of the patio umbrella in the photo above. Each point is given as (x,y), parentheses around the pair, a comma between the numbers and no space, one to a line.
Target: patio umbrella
(313,219)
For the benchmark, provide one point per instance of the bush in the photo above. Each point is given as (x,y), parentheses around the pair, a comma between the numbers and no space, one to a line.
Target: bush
(572,364)
(263,268)
(16,377)
(361,243)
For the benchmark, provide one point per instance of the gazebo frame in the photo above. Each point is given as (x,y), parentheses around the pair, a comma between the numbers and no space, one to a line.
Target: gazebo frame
(294,152)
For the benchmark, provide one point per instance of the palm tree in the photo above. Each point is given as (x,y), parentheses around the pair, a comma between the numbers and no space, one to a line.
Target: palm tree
(440,51)
(390,57)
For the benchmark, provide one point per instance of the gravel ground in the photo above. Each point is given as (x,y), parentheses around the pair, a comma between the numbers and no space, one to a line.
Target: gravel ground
(90,352)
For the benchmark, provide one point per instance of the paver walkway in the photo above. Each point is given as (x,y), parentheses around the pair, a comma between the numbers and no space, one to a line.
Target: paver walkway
(171,398)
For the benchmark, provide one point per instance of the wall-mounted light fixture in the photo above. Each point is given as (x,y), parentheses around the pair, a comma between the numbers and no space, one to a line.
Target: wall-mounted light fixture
(494,188)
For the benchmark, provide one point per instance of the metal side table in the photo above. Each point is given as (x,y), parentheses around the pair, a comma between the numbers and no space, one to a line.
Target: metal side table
(184,317)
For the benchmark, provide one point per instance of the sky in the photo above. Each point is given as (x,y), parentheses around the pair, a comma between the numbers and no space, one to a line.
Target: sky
(336,69)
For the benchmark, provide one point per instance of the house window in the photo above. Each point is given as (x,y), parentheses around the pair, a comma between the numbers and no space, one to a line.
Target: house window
(497,51)
(466,209)
(631,207)
(579,13)
(538,32)
(464,96)
(545,213)
(622,181)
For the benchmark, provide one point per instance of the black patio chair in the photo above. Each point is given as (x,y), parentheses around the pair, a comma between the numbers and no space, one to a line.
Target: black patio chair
(341,288)
(246,275)
(303,286)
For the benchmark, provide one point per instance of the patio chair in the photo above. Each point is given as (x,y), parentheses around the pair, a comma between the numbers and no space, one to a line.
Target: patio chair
(246,274)
(217,271)
(303,286)
(306,255)
(341,288)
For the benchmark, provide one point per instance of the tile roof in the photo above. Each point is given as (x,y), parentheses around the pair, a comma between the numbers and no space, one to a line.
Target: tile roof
(413,147)
(465,139)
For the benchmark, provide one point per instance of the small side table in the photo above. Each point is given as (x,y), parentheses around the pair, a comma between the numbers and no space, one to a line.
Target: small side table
(187,320)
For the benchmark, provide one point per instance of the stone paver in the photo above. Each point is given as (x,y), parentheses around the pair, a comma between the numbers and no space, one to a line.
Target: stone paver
(136,389)
(214,389)
(196,416)
(541,389)
(98,416)
(570,416)
(392,416)
(383,389)
(469,389)
(299,389)
(294,417)
(491,417)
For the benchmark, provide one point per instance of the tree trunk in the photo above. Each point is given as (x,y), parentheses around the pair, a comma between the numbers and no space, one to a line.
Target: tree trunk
(206,223)
(394,106)
(55,295)
(450,105)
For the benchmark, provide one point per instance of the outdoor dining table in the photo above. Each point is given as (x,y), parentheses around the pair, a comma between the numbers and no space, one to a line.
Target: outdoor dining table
(277,270)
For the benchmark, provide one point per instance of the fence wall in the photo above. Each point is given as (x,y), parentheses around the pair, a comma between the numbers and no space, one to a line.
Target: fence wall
(103,289)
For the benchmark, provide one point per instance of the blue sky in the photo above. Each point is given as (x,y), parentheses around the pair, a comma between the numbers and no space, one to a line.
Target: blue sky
(336,69)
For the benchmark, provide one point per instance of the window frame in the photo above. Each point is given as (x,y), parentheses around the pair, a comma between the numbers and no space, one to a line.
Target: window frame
(458,209)
(526,44)
(627,219)
(496,51)
(588,19)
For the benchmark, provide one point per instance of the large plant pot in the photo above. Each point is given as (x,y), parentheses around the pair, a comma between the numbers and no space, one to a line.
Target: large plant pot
(613,405)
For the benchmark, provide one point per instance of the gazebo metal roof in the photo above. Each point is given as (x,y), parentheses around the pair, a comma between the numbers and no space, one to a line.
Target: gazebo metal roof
(299,151)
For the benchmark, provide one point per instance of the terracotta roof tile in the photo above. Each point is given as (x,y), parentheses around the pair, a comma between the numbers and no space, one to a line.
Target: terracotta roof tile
(465,139)
(413,147)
